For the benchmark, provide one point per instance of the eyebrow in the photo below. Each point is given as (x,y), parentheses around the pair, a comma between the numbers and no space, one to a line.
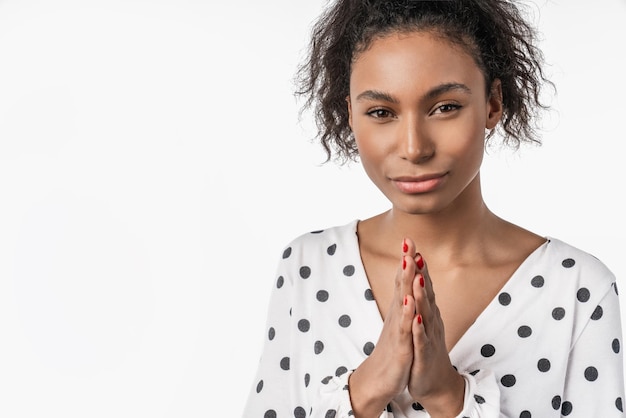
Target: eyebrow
(431,94)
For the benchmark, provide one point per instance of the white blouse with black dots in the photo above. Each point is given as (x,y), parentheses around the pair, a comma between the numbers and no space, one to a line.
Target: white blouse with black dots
(548,345)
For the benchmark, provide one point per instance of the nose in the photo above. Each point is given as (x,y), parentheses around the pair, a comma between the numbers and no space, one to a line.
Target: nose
(416,144)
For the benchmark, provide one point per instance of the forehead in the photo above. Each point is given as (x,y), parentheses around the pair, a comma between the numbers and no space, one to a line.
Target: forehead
(413,61)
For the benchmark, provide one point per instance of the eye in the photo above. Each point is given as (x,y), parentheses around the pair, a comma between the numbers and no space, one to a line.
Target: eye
(379,113)
(446,108)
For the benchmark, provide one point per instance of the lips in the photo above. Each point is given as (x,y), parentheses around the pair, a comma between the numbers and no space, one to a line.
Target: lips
(419,184)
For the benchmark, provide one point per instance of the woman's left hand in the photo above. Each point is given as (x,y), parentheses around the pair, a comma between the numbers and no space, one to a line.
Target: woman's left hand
(433,382)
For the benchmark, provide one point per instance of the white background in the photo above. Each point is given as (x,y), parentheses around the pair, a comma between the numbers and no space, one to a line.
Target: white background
(152,167)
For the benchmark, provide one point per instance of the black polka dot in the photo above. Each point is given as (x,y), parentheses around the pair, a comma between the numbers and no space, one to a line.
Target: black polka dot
(479,399)
(299,412)
(327,379)
(331,250)
(508,380)
(369,295)
(556,402)
(304,325)
(537,281)
(618,404)
(583,294)
(284,363)
(305,272)
(475,372)
(566,408)
(271,333)
(280,282)
(543,365)
(504,299)
(368,348)
(331,413)
(348,270)
(615,346)
(341,371)
(597,314)
(319,231)
(287,252)
(615,288)
(318,347)
(270,414)
(558,313)
(568,262)
(487,350)
(525,414)
(591,373)
(345,321)
(524,331)
(322,295)
(307,380)
(259,386)
(417,406)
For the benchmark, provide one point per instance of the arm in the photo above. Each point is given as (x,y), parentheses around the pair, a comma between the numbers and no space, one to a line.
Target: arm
(270,391)
(594,385)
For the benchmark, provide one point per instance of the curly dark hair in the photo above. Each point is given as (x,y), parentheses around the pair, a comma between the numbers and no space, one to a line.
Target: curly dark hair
(493,32)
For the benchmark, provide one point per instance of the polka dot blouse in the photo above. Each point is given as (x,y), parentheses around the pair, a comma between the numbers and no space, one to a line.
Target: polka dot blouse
(548,345)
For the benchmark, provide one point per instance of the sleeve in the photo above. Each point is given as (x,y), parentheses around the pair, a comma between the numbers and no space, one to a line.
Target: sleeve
(270,394)
(482,395)
(280,388)
(594,385)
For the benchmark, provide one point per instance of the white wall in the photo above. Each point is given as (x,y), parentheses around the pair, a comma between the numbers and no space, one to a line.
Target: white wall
(152,167)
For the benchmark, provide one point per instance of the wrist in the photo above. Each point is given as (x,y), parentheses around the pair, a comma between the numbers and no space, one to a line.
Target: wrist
(366,398)
(449,400)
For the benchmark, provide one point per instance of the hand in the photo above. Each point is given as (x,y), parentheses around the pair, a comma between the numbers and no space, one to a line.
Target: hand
(433,381)
(386,372)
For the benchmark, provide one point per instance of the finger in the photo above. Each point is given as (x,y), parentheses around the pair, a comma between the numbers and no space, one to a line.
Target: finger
(419,333)
(408,314)
(423,304)
(422,267)
(406,276)
(408,247)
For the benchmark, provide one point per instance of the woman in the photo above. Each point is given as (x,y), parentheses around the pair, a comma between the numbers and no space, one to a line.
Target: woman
(436,307)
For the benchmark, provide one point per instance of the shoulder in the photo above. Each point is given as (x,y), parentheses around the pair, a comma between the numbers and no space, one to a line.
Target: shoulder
(326,240)
(575,258)
(322,255)
(572,266)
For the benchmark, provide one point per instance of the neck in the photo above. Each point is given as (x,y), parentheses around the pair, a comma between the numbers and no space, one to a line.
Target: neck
(456,231)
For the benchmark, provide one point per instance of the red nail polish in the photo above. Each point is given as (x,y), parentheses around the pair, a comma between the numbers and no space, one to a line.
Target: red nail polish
(404,264)
(420,262)
(421,280)
(406,300)
(419,319)
(405,246)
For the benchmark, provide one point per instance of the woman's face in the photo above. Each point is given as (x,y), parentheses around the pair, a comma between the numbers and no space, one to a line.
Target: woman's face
(418,110)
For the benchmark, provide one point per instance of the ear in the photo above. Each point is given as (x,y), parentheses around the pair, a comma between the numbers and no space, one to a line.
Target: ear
(349,111)
(494,104)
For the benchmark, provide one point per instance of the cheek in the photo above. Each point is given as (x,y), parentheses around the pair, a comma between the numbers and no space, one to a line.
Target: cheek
(465,137)
(372,144)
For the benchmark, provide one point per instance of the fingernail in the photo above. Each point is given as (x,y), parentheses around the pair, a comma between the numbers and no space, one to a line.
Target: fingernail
(420,262)
(421,280)
(419,319)
(405,246)
(406,300)
(404,264)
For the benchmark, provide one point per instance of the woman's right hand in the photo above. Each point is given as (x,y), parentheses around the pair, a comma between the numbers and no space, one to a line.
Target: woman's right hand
(385,373)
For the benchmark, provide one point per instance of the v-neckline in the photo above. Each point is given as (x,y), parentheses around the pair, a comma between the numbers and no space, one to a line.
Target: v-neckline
(506,287)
